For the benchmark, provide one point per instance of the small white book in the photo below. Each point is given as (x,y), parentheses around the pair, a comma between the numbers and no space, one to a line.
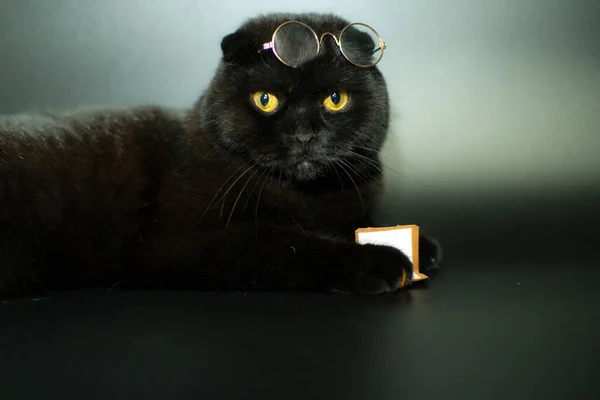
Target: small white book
(403,237)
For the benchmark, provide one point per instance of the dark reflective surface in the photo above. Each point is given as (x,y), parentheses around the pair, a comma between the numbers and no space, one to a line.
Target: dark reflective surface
(481,330)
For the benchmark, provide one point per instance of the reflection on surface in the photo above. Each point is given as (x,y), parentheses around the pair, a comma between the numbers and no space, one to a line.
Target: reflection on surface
(474,329)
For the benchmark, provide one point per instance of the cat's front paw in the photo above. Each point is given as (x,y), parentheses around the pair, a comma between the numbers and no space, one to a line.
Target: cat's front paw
(377,269)
(430,255)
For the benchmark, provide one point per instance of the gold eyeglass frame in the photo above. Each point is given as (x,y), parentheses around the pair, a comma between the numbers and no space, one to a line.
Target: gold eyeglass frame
(271,45)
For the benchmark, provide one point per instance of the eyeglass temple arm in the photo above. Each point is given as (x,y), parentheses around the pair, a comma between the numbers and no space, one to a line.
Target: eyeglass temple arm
(382,47)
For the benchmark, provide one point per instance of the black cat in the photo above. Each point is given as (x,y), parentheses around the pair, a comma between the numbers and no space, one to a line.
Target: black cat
(259,186)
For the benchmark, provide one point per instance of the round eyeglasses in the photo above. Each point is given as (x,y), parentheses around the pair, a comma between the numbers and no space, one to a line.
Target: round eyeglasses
(294,43)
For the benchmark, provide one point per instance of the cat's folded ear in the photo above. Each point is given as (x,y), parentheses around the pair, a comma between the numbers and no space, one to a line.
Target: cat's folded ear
(240,47)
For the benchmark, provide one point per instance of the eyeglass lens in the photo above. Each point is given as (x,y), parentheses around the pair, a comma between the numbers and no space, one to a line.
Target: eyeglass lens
(361,45)
(295,43)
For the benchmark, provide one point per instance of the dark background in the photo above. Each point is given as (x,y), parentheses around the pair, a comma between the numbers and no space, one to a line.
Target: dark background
(494,150)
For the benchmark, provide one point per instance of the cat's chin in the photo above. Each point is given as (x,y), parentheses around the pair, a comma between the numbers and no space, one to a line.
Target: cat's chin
(305,171)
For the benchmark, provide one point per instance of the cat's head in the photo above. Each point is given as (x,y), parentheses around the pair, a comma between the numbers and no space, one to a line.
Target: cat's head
(304,121)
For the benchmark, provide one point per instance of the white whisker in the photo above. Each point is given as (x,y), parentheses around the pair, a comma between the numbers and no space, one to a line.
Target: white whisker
(355,185)
(267,176)
(213,200)
(223,198)
(338,175)
(238,197)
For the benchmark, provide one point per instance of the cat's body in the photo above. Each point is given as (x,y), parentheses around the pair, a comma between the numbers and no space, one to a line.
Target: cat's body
(222,196)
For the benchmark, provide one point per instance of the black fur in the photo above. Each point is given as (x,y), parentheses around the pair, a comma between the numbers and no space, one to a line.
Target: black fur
(217,197)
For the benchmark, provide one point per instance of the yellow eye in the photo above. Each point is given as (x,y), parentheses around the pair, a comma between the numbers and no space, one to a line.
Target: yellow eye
(266,102)
(336,100)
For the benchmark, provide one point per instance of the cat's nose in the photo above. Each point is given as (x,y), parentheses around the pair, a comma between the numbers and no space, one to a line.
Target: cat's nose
(304,137)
